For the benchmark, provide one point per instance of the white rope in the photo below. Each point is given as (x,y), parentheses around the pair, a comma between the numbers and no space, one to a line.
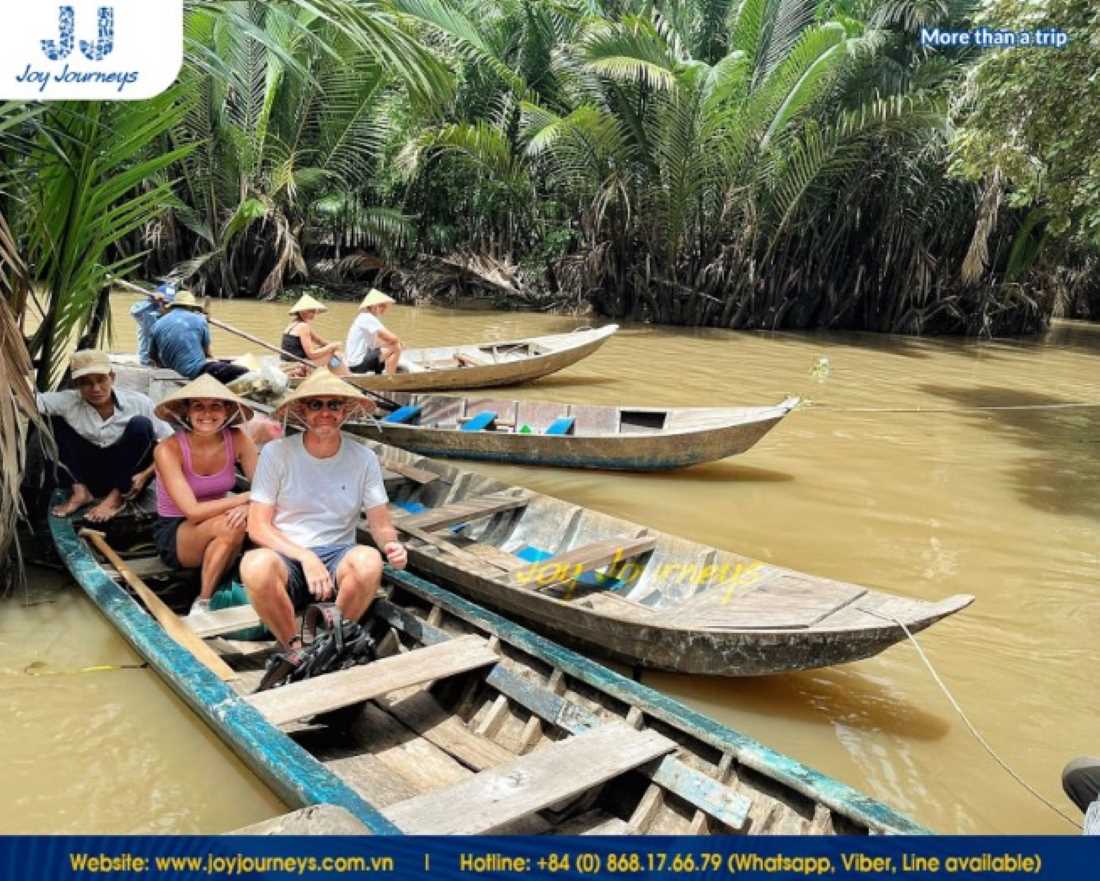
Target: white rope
(970,725)
(1077,405)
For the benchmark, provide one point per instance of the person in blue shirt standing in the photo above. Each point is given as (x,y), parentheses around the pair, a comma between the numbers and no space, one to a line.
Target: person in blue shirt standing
(181,342)
(145,313)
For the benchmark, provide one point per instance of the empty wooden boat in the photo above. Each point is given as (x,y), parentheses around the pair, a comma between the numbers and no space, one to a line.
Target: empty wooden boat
(636,594)
(570,435)
(471,724)
(477,365)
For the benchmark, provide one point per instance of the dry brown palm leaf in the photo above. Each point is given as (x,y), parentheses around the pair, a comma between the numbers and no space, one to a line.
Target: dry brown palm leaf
(17,401)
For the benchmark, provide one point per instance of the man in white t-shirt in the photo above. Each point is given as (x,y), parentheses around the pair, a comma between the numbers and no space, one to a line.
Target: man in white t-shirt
(307,496)
(370,347)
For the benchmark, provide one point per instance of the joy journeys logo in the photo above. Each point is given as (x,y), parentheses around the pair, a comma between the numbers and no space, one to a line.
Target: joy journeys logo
(88,50)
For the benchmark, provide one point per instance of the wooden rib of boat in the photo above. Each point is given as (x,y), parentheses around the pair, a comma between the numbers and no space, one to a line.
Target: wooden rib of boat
(478,365)
(472,724)
(570,435)
(636,594)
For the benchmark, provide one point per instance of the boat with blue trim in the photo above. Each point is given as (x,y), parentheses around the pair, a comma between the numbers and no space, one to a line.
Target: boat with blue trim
(469,723)
(569,435)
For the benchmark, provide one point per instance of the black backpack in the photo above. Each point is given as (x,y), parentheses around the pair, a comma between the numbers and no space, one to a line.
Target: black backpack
(337,644)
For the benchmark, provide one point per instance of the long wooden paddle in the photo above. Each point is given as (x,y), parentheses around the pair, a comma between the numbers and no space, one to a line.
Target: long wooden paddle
(168,619)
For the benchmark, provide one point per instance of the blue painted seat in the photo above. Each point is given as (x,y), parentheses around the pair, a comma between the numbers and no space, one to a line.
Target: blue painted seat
(481,421)
(561,426)
(404,414)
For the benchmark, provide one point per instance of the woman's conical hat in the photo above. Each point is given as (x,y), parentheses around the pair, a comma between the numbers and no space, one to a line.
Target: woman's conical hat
(306,303)
(323,383)
(204,386)
(375,297)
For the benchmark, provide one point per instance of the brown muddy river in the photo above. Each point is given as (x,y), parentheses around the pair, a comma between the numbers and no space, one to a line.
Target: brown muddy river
(894,478)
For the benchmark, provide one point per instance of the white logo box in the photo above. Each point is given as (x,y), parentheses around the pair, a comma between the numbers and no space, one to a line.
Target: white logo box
(120,50)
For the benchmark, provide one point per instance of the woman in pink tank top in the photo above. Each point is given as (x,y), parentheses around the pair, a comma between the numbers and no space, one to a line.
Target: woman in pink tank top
(200,524)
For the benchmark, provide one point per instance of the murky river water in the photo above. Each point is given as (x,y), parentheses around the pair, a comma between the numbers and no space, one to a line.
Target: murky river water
(1004,504)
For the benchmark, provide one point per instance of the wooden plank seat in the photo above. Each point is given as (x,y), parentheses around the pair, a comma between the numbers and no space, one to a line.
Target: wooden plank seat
(564,425)
(219,621)
(468,359)
(300,700)
(483,421)
(472,508)
(564,567)
(700,790)
(503,794)
(405,414)
(410,472)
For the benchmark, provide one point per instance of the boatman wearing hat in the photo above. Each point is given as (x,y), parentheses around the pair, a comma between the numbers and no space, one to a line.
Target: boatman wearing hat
(370,347)
(307,497)
(181,342)
(146,313)
(105,437)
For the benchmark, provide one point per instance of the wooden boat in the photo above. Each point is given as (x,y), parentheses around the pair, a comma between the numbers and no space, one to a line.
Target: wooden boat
(636,594)
(570,435)
(472,724)
(505,362)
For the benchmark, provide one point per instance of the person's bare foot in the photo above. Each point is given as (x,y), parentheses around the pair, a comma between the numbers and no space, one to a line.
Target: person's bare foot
(80,497)
(106,509)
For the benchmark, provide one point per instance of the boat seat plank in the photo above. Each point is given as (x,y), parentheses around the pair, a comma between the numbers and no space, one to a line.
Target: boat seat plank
(701,791)
(299,700)
(146,567)
(564,567)
(468,359)
(411,472)
(787,600)
(494,555)
(564,425)
(500,795)
(422,713)
(483,421)
(460,512)
(215,623)
(403,414)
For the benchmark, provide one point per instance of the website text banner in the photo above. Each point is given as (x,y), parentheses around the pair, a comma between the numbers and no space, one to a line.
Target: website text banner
(913,859)
(88,50)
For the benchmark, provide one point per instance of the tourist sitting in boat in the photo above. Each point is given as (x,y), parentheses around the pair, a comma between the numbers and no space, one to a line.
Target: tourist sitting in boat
(301,341)
(307,497)
(105,437)
(200,523)
(370,347)
(181,342)
(1081,782)
(146,313)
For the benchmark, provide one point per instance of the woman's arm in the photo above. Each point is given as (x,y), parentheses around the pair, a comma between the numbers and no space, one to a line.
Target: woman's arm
(309,343)
(247,452)
(169,465)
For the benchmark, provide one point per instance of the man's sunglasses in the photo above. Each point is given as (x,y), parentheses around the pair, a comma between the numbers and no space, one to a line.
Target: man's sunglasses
(316,406)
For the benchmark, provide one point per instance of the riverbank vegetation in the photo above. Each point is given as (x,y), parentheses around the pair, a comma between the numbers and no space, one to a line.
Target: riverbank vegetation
(730,163)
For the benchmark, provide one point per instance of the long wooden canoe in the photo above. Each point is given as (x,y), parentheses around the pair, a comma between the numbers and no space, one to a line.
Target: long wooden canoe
(472,724)
(570,435)
(478,365)
(634,593)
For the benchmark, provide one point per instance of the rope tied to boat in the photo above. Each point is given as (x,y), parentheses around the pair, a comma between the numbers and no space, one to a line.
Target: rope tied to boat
(958,709)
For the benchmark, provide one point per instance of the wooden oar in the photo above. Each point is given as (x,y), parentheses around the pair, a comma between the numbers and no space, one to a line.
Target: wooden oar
(168,619)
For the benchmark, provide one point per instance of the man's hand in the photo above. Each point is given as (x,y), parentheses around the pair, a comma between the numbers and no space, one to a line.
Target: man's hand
(138,483)
(396,555)
(317,578)
(237,518)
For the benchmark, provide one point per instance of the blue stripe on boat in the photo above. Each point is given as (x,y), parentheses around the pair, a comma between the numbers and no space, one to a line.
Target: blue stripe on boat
(480,421)
(405,414)
(561,426)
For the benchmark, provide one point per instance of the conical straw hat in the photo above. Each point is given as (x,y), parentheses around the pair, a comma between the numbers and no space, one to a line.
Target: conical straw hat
(323,383)
(306,303)
(185,300)
(375,297)
(204,386)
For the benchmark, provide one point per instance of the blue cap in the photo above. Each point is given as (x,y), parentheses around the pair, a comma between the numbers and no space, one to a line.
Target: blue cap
(165,292)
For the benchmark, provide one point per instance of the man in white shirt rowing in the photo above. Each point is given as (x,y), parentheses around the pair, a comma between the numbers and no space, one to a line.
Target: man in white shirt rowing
(307,496)
(105,437)
(370,347)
